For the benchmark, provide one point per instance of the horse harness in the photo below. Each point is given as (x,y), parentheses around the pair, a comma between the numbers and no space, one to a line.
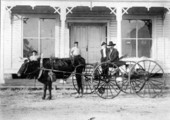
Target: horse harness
(52,71)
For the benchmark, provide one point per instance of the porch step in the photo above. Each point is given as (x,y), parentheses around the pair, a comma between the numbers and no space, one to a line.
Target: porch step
(15,84)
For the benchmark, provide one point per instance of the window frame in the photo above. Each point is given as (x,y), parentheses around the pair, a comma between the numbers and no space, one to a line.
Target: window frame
(137,39)
(39,38)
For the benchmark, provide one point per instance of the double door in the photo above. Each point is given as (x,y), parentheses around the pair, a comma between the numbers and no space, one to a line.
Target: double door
(89,36)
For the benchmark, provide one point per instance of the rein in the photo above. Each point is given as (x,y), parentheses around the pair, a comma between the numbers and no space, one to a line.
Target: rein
(42,68)
(45,69)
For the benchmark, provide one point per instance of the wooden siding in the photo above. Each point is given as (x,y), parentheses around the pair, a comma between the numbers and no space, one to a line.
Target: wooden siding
(7,41)
(16,41)
(113,29)
(167,42)
(57,37)
(161,41)
(158,40)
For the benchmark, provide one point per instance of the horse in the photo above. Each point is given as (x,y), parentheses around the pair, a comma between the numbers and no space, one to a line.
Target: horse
(48,70)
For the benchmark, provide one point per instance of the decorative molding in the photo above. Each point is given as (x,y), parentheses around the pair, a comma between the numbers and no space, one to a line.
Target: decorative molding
(125,10)
(33,6)
(168,8)
(57,10)
(113,10)
(91,5)
(148,8)
(9,8)
(69,10)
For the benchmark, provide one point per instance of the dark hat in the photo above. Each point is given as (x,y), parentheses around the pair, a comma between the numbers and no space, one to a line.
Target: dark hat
(75,42)
(34,51)
(103,43)
(111,43)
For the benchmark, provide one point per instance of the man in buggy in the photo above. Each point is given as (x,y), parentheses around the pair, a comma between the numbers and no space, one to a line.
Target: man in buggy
(112,57)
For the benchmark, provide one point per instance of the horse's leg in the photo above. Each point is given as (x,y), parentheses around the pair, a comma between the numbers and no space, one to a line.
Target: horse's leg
(45,89)
(50,89)
(79,83)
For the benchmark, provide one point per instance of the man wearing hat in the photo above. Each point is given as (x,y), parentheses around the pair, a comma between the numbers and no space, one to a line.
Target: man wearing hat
(104,57)
(113,53)
(104,52)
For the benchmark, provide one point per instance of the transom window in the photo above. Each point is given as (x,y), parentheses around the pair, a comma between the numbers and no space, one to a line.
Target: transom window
(137,38)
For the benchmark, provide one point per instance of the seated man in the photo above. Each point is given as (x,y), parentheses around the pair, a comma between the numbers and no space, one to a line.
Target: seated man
(104,57)
(114,55)
(104,52)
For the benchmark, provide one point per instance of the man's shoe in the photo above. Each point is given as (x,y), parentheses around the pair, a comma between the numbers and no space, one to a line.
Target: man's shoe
(77,95)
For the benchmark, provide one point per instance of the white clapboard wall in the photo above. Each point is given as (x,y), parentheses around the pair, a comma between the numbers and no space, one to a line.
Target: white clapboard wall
(167,42)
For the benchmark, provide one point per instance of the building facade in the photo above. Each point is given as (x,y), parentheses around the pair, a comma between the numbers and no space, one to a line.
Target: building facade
(140,28)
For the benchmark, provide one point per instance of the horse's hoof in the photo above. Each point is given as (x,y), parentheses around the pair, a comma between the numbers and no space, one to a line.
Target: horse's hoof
(81,95)
(49,98)
(77,95)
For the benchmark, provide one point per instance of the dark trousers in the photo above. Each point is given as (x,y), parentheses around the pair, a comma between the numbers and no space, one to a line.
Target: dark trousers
(105,68)
(76,60)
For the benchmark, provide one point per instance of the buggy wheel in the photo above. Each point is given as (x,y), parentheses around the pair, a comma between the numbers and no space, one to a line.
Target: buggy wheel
(147,78)
(125,84)
(104,80)
(86,79)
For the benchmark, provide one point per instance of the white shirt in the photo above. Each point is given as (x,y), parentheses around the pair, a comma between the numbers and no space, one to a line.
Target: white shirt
(75,51)
(104,51)
(34,58)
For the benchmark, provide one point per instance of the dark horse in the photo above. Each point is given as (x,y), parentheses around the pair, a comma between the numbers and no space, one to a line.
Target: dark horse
(47,70)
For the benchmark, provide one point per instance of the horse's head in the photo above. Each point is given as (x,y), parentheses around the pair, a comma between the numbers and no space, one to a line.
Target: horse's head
(29,68)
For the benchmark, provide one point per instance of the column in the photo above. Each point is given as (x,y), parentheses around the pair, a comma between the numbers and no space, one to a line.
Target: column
(2,46)
(62,38)
(119,36)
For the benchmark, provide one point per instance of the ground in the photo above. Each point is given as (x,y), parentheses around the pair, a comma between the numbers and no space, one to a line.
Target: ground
(26,104)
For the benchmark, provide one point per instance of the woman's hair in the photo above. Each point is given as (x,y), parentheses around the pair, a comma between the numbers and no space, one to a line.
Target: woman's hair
(34,51)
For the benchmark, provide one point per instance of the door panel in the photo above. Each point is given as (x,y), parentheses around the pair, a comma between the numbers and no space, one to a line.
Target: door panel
(89,37)
(79,33)
(96,34)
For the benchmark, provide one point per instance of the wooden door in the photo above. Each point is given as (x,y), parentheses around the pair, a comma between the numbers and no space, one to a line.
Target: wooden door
(79,33)
(96,34)
(89,37)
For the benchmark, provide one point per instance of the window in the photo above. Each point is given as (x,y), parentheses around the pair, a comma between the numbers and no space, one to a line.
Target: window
(39,35)
(30,35)
(137,38)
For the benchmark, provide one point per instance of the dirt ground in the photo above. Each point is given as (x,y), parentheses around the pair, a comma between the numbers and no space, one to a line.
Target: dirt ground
(27,105)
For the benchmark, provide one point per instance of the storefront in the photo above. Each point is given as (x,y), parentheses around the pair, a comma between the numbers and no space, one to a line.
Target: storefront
(139,29)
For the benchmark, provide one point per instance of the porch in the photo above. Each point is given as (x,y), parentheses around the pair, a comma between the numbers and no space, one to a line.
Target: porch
(111,17)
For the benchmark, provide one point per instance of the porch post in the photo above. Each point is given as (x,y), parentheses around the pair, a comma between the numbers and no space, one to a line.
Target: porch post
(62,38)
(2,46)
(119,20)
